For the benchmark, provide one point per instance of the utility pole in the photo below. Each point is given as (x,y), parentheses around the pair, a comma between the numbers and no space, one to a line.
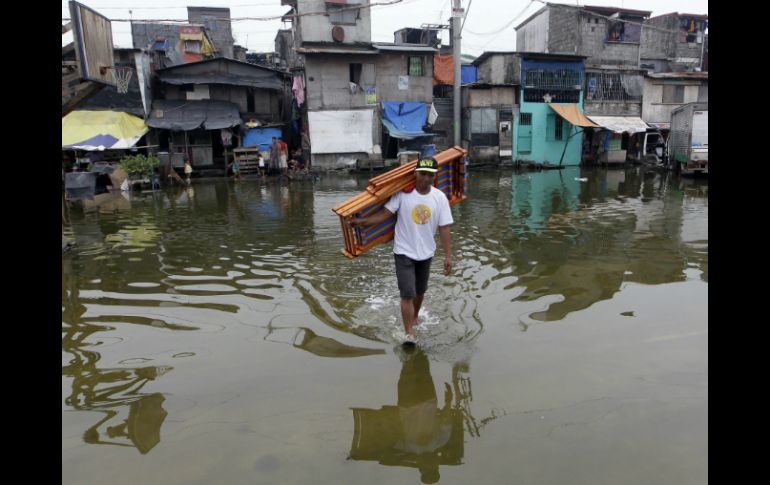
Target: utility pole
(457,13)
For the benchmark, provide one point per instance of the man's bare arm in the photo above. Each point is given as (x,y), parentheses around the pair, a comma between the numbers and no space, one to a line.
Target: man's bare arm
(380,216)
(446,242)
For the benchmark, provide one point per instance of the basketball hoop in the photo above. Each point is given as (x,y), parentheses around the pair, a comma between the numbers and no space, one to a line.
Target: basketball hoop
(121,76)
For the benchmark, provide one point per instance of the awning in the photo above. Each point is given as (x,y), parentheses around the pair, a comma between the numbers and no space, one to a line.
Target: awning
(621,124)
(184,115)
(405,120)
(572,113)
(661,126)
(101,130)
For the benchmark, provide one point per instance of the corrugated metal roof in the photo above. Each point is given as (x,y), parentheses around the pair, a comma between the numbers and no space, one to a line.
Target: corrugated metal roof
(620,124)
(184,115)
(335,48)
(612,10)
(486,54)
(404,47)
(327,50)
(679,75)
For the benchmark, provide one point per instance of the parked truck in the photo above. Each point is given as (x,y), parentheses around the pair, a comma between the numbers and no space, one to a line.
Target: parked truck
(648,147)
(688,142)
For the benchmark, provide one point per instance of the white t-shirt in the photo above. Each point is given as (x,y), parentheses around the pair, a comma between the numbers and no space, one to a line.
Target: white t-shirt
(419,217)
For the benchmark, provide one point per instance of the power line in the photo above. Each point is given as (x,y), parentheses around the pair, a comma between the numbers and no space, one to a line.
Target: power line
(275,17)
(270,4)
(506,25)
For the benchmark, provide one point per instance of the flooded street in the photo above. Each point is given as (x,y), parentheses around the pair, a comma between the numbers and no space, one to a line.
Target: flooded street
(218,335)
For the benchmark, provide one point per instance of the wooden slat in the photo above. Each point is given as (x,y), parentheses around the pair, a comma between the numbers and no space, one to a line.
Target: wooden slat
(67,78)
(86,89)
(384,186)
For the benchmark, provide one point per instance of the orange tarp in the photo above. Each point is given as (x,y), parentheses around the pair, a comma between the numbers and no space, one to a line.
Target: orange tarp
(572,113)
(443,69)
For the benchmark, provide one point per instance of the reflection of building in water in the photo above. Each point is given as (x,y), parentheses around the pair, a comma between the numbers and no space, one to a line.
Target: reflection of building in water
(537,196)
(131,418)
(141,428)
(305,339)
(416,433)
(619,226)
(113,392)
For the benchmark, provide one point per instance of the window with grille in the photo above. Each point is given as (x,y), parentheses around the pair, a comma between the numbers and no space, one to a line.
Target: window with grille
(613,86)
(564,78)
(415,66)
(554,125)
(525,119)
(557,96)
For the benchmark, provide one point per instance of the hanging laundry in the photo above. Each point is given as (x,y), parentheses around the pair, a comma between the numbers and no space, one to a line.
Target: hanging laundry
(227,137)
(298,88)
(432,115)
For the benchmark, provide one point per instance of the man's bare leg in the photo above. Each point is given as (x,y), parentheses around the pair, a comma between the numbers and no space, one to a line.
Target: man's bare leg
(407,314)
(417,305)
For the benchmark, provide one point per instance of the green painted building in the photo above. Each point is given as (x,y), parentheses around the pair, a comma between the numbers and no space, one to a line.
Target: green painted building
(542,134)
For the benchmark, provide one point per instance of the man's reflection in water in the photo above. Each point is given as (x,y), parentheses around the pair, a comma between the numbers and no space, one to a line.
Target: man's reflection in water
(416,433)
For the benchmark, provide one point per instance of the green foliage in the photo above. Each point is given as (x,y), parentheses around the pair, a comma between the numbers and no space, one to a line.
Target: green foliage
(140,165)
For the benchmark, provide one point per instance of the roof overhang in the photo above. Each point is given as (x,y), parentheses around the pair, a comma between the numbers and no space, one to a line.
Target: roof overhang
(621,124)
(571,112)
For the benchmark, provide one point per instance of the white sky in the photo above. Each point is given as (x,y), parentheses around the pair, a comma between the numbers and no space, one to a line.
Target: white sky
(484,18)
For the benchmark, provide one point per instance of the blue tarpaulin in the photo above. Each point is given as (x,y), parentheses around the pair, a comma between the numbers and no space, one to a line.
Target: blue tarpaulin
(468,74)
(261,137)
(405,119)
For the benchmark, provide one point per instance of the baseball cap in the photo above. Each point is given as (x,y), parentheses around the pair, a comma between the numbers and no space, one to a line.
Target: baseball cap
(427,165)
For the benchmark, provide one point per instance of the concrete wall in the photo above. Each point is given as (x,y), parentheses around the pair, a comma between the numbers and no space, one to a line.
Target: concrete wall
(499,96)
(533,36)
(217,21)
(391,66)
(328,88)
(562,30)
(318,28)
(544,150)
(566,30)
(656,43)
(499,69)
(284,46)
(266,103)
(671,45)
(613,108)
(653,108)
(593,43)
(327,78)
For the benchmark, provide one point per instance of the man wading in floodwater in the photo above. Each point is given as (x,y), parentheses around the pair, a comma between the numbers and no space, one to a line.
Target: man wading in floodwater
(419,213)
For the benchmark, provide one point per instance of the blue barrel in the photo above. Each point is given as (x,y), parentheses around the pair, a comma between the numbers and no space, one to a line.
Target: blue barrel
(428,151)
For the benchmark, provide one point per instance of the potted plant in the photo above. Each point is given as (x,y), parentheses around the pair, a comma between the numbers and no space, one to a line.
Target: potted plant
(139,167)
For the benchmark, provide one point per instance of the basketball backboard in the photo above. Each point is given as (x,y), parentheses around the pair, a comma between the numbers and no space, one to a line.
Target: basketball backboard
(92,36)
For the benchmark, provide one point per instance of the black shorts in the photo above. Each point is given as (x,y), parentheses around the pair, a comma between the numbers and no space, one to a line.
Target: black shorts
(412,275)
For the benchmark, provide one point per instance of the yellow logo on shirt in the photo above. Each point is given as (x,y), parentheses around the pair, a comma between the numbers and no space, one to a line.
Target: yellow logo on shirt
(421,214)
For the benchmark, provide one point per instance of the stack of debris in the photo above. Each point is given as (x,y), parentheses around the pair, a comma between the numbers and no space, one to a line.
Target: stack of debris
(450,179)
